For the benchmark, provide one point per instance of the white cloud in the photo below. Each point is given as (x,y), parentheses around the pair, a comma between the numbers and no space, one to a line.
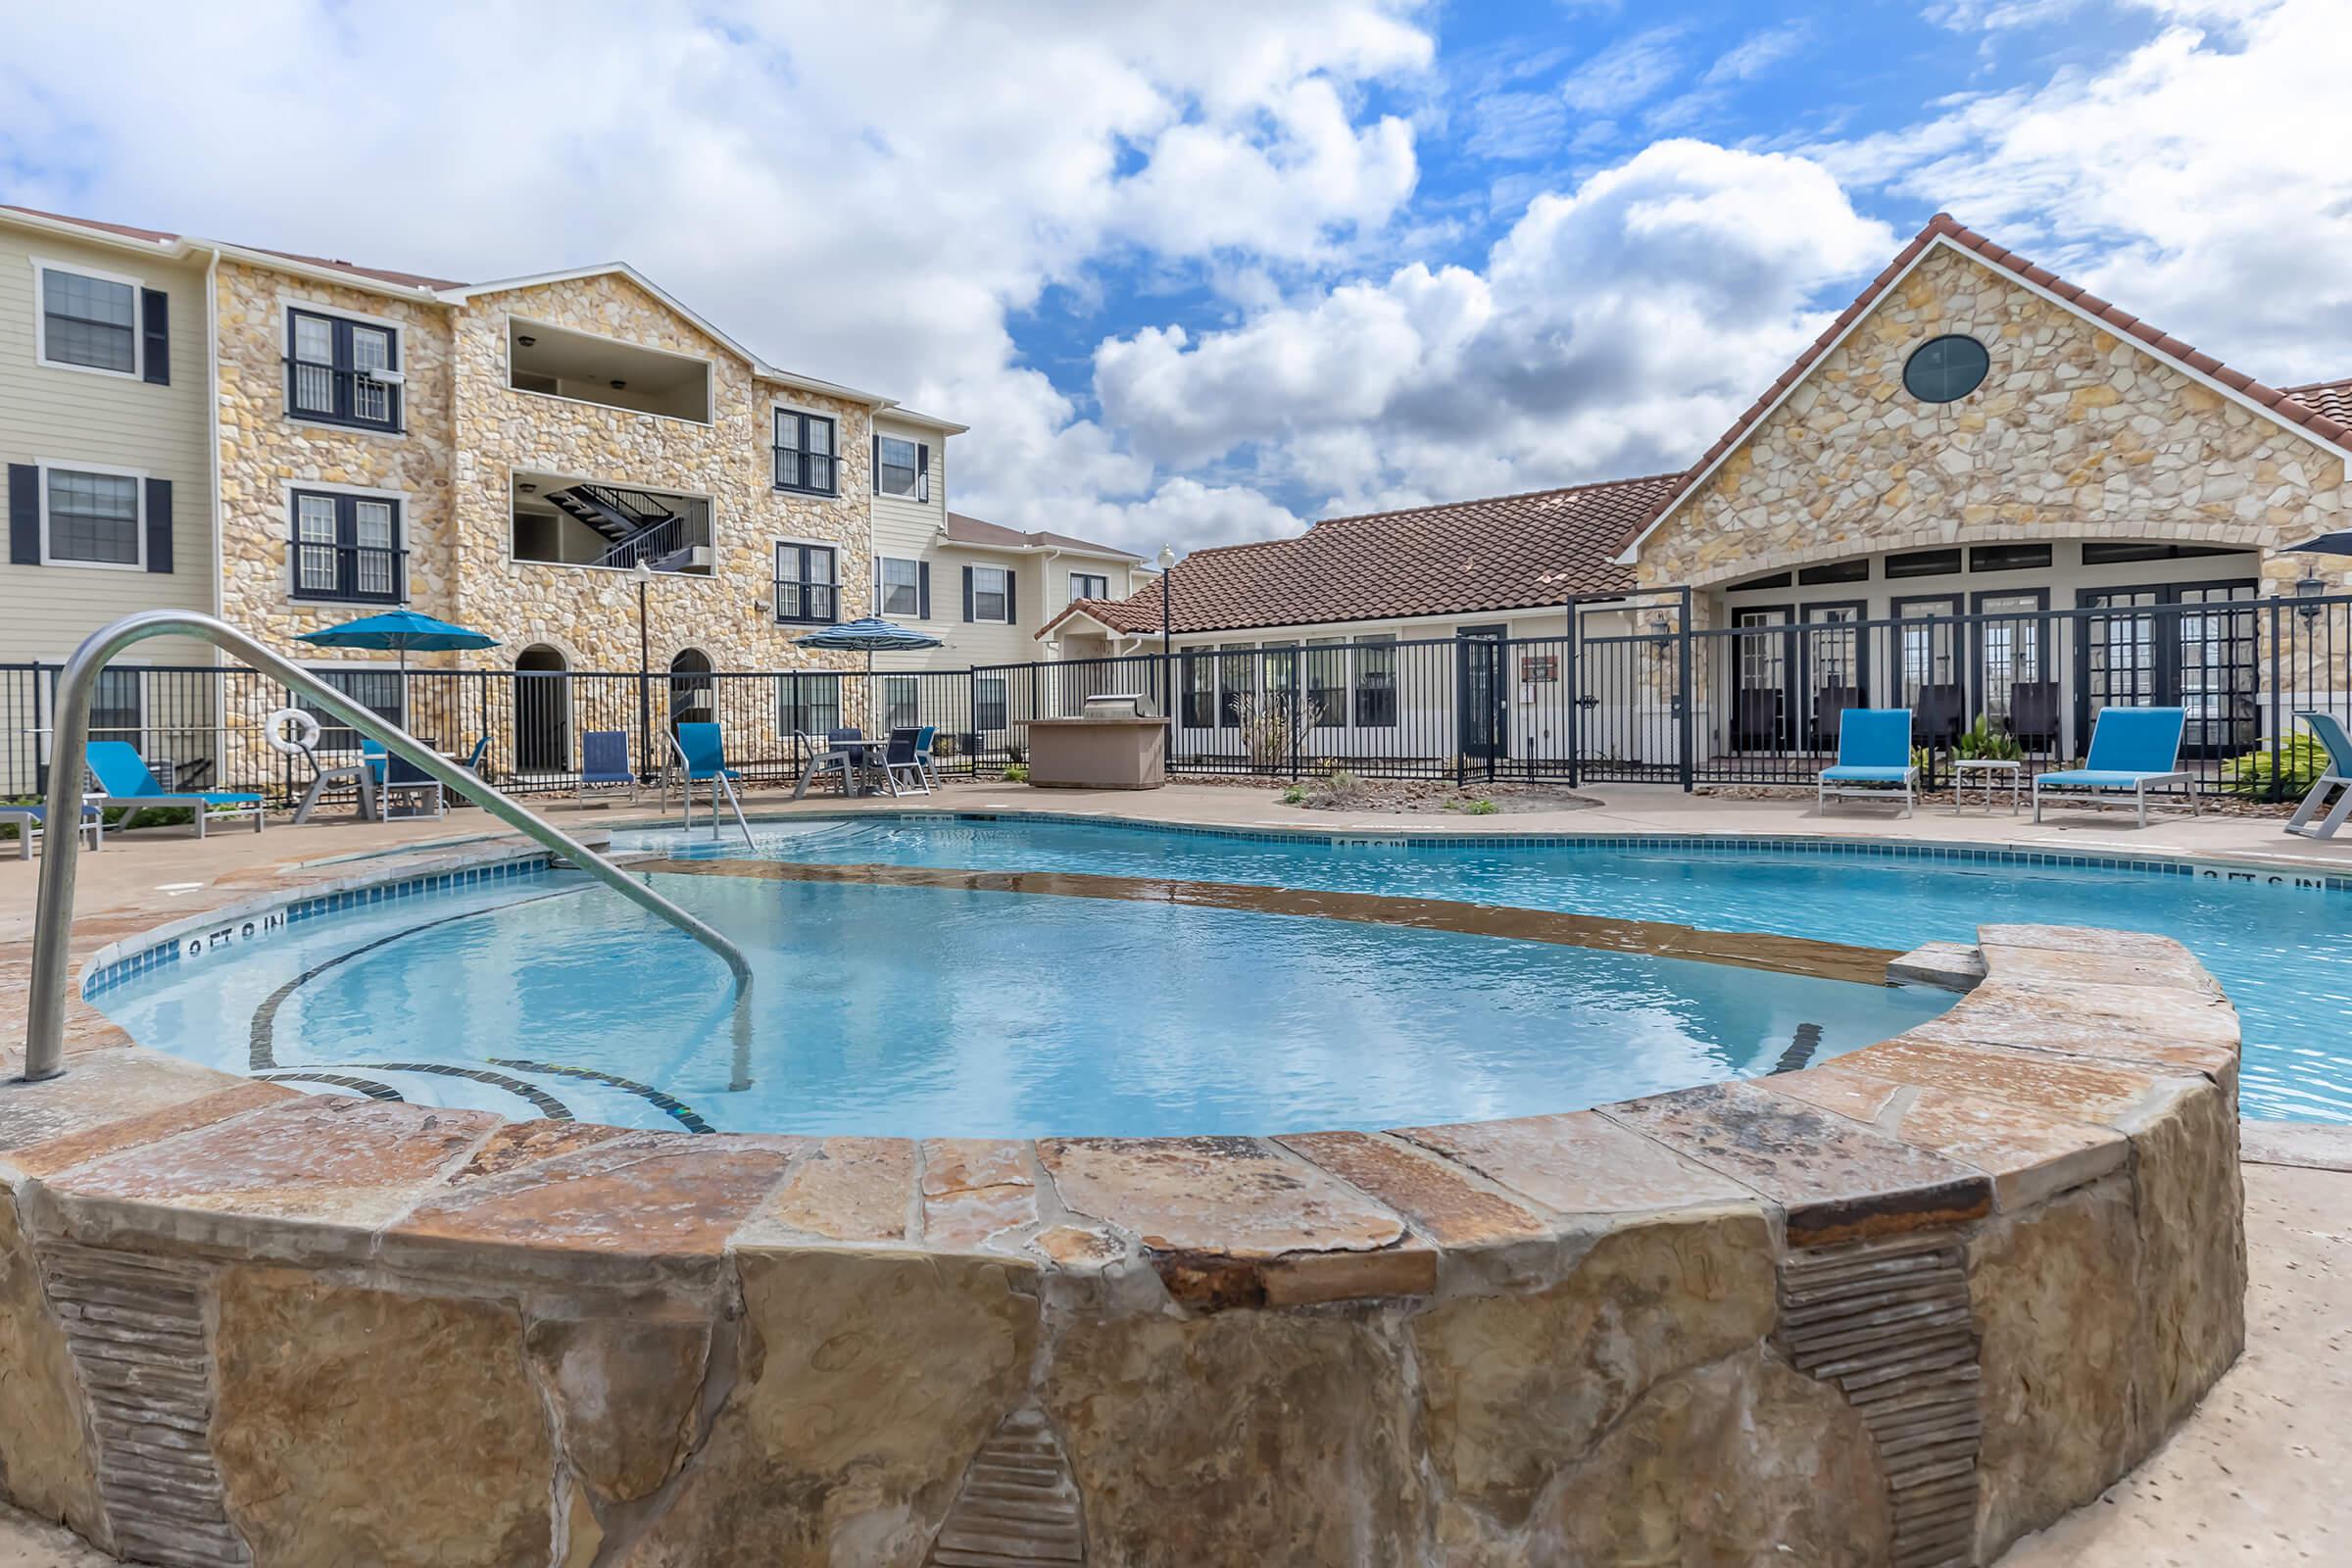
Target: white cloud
(1757,53)
(1628,72)
(867,193)
(2177,181)
(1613,330)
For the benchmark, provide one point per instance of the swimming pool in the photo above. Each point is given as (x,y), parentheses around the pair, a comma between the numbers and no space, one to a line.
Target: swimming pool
(955,1010)
(2280,946)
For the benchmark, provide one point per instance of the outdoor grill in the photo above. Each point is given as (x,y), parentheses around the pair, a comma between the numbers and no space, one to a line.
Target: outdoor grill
(1114,742)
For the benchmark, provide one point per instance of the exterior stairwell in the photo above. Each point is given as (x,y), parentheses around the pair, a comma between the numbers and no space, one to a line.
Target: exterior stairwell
(638,525)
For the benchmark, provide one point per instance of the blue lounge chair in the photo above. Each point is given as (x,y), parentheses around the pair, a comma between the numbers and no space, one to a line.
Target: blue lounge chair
(605,762)
(703,759)
(31,819)
(2336,780)
(124,780)
(2131,749)
(1874,752)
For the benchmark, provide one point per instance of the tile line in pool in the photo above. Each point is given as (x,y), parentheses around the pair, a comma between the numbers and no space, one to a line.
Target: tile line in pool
(1746,950)
(262,1036)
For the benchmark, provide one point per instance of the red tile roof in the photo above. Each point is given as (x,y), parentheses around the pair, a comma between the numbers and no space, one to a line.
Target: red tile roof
(2331,398)
(965,530)
(2325,425)
(1461,558)
(378,273)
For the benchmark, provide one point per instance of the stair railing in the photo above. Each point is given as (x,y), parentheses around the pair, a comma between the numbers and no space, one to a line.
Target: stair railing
(77,686)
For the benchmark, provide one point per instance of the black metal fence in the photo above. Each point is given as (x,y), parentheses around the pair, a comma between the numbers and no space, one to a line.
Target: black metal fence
(1627,696)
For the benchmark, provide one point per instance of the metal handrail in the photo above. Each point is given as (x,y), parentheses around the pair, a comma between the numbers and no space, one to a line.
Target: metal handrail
(53,919)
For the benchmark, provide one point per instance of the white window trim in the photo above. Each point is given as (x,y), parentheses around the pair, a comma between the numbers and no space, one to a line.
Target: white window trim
(1005,620)
(709,376)
(400,330)
(285,518)
(40,320)
(45,465)
(1071,591)
(776,406)
(919,469)
(882,589)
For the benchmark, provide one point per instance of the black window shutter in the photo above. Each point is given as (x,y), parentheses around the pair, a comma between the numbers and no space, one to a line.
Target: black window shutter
(923,590)
(967,591)
(922,473)
(1012,613)
(155,322)
(25,516)
(873,469)
(159,526)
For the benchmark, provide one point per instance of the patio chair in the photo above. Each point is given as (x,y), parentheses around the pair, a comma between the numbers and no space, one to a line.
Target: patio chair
(2131,749)
(903,758)
(2034,714)
(1756,719)
(2336,780)
(1936,718)
(123,780)
(923,756)
(604,762)
(403,789)
(703,759)
(1874,752)
(31,819)
(1830,712)
(360,775)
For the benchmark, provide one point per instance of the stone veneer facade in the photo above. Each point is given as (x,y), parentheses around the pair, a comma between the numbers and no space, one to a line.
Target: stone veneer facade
(1898,1309)
(2074,434)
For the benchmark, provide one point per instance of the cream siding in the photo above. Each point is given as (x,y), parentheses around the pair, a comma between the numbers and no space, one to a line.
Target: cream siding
(114,422)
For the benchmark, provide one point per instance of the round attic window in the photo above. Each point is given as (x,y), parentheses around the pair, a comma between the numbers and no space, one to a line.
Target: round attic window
(1946,368)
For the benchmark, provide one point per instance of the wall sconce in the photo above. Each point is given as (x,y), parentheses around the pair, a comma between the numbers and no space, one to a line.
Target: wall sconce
(763,607)
(2309,589)
(527,340)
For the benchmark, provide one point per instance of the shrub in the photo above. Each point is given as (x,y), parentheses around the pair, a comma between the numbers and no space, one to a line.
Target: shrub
(1343,788)
(1295,794)
(1982,743)
(2301,763)
(1478,807)
(1272,723)
(1016,772)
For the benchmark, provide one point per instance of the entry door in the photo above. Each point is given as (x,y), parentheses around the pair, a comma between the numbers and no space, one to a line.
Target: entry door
(1486,729)
(1835,672)
(2177,644)
(1760,695)
(2013,655)
(542,722)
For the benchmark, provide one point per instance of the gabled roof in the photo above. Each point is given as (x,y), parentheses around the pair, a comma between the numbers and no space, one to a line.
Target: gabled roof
(1461,558)
(1944,229)
(963,530)
(379,274)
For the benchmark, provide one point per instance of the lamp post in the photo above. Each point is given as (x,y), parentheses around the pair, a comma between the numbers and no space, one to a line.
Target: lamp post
(1167,666)
(643,574)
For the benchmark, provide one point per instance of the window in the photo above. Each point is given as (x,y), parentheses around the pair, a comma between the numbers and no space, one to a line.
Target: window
(1776,579)
(342,372)
(347,547)
(900,701)
(805,587)
(1200,691)
(1946,369)
(117,707)
(902,467)
(1376,682)
(1326,680)
(2007,558)
(93,520)
(1088,585)
(805,453)
(992,594)
(988,703)
(2110,553)
(90,321)
(1835,572)
(1923,563)
(1237,671)
(808,705)
(898,588)
(376,690)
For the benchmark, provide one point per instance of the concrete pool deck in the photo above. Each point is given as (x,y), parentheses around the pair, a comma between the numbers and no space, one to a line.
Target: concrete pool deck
(1460,1221)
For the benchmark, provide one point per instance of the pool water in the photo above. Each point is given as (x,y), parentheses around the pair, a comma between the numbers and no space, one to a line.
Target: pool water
(2283,952)
(929,1012)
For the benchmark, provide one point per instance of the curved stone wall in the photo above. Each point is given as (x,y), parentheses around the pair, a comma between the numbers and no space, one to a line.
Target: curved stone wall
(1896,1308)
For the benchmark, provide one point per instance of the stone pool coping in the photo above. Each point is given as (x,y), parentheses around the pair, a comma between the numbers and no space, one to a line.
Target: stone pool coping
(2080,1098)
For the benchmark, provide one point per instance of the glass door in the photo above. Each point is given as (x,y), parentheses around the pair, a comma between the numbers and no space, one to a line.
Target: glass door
(2013,655)
(1759,697)
(1484,730)
(2185,645)
(1836,669)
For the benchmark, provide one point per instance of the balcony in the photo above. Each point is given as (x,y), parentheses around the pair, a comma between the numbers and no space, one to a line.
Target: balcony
(564,521)
(559,362)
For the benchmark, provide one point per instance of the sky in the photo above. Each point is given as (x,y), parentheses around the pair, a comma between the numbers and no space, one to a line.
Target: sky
(1203,272)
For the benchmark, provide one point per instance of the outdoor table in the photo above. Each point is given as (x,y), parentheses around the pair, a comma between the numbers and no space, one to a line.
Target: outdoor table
(1985,770)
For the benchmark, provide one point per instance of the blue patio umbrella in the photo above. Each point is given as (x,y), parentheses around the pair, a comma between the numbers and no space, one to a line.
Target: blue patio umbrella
(874,635)
(400,631)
